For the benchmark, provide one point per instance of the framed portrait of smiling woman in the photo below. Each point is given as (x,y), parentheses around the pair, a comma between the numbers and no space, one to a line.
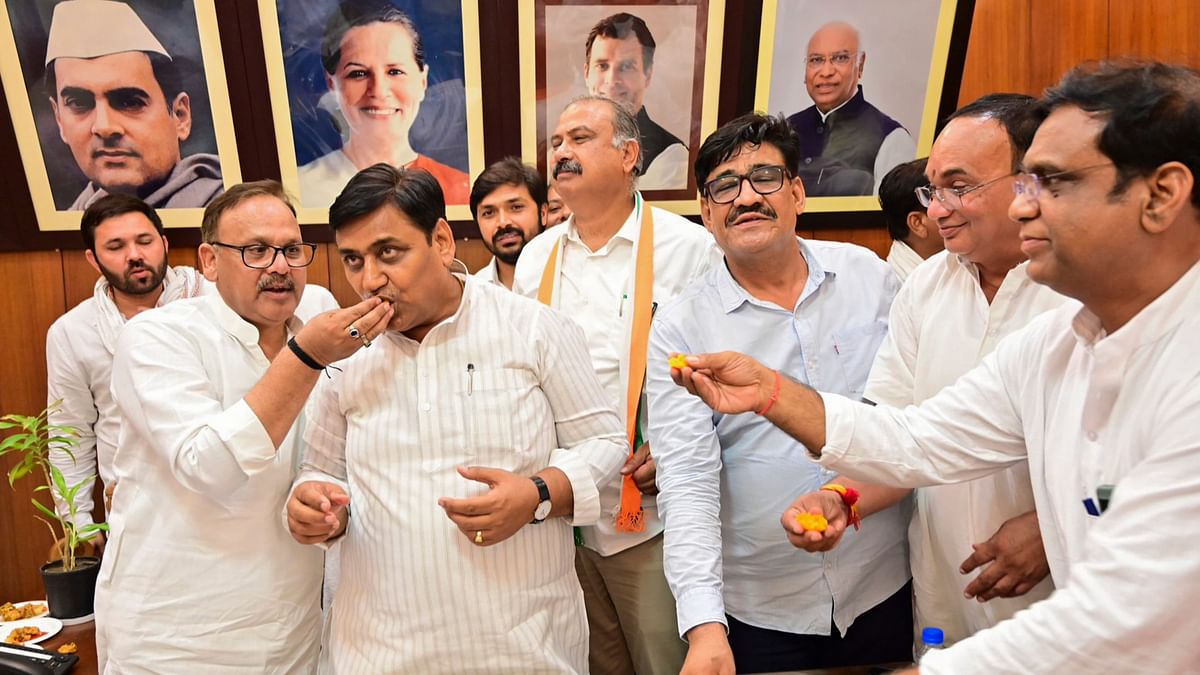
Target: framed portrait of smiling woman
(358,82)
(121,96)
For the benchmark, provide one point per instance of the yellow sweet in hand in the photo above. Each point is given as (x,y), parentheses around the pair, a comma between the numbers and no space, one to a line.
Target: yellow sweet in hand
(812,522)
(678,361)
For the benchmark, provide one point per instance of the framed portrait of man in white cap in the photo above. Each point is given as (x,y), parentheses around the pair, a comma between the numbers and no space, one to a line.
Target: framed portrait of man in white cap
(118,96)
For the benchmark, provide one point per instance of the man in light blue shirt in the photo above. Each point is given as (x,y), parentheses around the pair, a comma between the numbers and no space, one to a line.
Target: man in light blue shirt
(816,311)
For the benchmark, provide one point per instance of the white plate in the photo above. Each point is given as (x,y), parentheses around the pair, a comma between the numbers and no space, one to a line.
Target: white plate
(19,605)
(48,625)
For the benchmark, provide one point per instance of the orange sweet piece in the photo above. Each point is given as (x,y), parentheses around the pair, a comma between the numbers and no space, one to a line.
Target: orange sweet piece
(678,361)
(812,522)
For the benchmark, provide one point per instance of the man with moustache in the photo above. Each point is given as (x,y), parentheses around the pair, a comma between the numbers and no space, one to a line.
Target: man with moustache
(508,202)
(817,311)
(608,267)
(454,456)
(126,245)
(1099,395)
(118,101)
(847,145)
(209,390)
(619,64)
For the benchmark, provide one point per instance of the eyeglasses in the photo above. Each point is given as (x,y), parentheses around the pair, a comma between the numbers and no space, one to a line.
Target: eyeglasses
(951,198)
(1029,185)
(764,180)
(262,256)
(840,59)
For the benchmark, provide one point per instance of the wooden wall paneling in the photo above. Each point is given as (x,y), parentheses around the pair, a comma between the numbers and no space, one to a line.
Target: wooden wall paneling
(473,253)
(1063,34)
(79,278)
(998,53)
(873,238)
(31,298)
(318,271)
(1168,30)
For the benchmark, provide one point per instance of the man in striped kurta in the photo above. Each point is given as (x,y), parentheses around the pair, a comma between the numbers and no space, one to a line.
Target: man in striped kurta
(452,458)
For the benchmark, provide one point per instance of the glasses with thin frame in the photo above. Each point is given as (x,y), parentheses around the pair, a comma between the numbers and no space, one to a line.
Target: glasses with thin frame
(262,256)
(839,59)
(764,180)
(951,198)
(1029,185)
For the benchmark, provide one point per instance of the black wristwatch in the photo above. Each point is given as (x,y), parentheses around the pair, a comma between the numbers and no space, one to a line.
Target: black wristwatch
(542,512)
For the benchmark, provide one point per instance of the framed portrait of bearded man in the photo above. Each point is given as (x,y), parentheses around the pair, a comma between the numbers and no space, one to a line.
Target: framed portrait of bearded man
(118,96)
(862,83)
(358,82)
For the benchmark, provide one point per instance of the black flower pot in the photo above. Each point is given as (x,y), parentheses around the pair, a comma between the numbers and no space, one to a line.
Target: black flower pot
(71,594)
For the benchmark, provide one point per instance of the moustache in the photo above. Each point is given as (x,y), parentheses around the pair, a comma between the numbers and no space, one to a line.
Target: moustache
(507,229)
(568,166)
(276,282)
(762,209)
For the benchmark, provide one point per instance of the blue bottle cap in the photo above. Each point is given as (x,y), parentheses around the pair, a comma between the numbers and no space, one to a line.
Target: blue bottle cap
(932,636)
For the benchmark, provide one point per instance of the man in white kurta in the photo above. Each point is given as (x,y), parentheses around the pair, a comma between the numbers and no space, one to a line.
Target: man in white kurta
(594,281)
(126,245)
(199,575)
(941,327)
(1101,399)
(472,393)
(945,320)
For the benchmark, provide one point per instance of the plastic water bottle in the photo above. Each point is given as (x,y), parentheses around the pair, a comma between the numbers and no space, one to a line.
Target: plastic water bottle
(931,638)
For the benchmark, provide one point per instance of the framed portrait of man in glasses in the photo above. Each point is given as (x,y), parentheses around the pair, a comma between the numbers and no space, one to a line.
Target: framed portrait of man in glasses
(863,85)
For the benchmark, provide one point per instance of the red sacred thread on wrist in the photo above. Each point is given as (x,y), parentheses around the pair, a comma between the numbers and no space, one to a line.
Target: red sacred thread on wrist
(849,498)
(774,395)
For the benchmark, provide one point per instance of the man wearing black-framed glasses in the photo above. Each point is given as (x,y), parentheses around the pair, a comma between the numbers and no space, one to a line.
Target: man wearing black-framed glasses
(210,390)
(847,144)
(816,309)
(1099,395)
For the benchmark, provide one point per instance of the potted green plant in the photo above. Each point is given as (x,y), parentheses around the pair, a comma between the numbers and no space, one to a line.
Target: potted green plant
(71,579)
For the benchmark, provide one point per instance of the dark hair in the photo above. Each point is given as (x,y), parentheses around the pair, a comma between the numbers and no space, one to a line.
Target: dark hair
(167,73)
(415,192)
(618,27)
(1017,113)
(754,128)
(1151,114)
(357,13)
(236,195)
(111,206)
(508,171)
(897,196)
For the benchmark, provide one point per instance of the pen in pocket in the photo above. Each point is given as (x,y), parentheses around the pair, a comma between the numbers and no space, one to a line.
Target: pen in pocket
(470,378)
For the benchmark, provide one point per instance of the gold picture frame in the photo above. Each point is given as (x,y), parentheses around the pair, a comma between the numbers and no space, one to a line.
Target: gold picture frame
(539,110)
(21,70)
(283,101)
(885,29)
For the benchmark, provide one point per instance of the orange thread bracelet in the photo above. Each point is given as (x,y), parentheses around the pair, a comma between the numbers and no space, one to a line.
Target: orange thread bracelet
(774,395)
(849,498)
